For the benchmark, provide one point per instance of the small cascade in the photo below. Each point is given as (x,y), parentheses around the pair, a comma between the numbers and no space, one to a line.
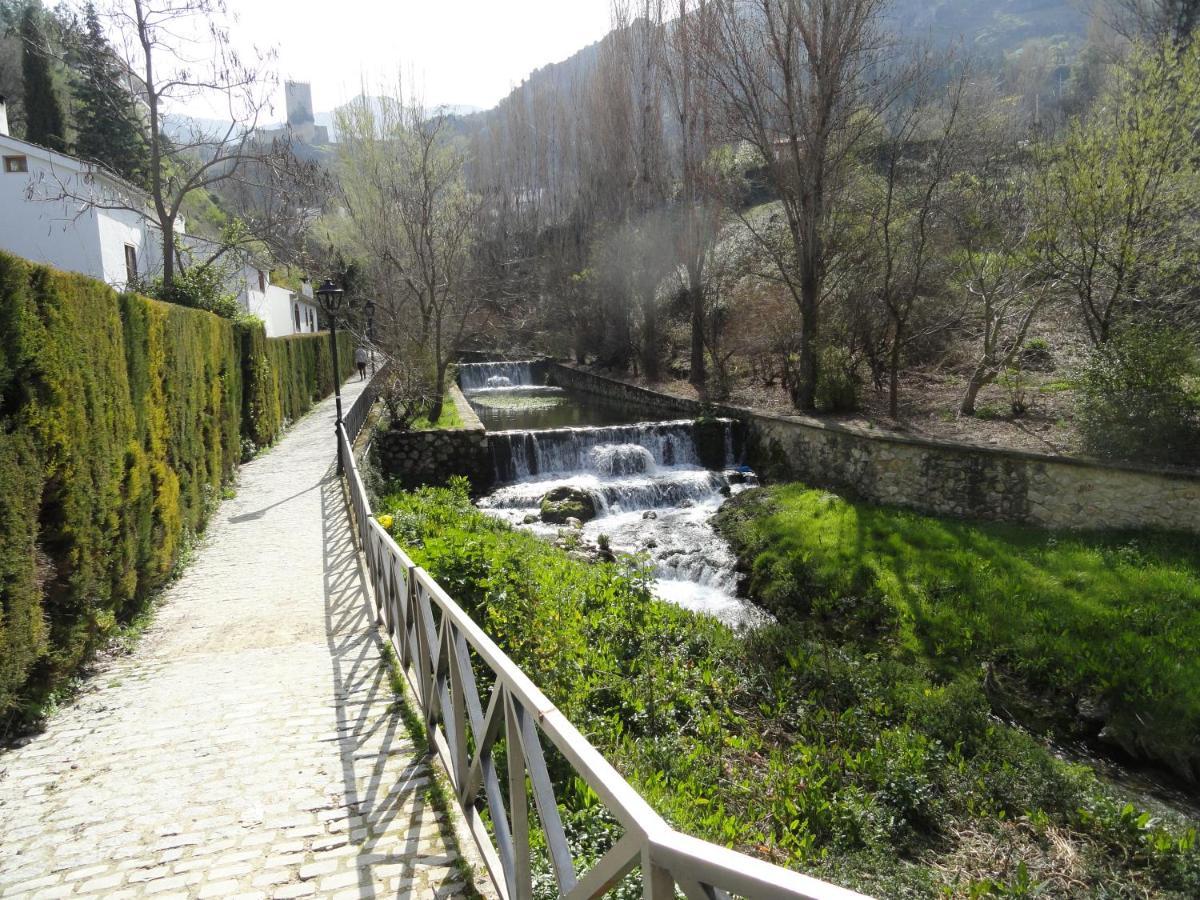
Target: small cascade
(612,450)
(684,489)
(651,493)
(622,459)
(495,376)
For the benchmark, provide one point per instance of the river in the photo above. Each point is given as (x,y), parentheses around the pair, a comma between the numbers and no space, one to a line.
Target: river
(651,493)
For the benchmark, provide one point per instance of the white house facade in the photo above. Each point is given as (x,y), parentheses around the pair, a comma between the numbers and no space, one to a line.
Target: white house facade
(282,311)
(58,210)
(66,213)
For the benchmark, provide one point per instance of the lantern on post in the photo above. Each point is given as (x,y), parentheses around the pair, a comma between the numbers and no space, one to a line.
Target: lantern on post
(330,297)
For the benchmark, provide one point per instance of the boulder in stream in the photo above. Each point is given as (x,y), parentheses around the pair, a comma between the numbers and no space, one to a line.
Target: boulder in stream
(565,503)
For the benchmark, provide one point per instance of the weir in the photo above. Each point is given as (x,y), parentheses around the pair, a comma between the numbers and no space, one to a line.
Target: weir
(611,450)
(653,487)
(495,375)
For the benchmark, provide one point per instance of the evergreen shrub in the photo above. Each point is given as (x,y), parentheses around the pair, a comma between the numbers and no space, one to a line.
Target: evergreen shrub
(120,419)
(1138,398)
(839,386)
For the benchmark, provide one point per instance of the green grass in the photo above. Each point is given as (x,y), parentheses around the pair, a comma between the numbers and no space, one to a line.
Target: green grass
(833,743)
(1057,386)
(447,420)
(1110,621)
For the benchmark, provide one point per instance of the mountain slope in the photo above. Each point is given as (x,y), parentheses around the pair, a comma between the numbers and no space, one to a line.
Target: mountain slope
(988,25)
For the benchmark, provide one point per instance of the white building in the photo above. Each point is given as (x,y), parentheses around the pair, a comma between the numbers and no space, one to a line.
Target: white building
(283,311)
(58,210)
(72,215)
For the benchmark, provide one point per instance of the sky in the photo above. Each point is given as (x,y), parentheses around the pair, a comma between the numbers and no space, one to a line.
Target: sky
(460,52)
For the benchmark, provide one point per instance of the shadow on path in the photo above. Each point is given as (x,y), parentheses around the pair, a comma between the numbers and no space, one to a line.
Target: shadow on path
(386,771)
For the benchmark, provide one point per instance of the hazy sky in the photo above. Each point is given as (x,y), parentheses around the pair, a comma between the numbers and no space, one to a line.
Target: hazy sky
(460,51)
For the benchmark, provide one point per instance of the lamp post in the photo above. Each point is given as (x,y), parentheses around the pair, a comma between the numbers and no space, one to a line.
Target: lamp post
(330,297)
(369,309)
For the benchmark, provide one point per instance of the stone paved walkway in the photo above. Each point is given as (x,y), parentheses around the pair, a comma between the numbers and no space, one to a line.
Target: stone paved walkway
(248,746)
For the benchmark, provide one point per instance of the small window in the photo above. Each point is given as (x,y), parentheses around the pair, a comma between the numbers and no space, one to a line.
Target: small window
(262,281)
(16,164)
(296,313)
(131,269)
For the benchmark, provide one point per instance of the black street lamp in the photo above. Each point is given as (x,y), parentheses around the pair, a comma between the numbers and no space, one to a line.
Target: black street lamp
(330,296)
(369,309)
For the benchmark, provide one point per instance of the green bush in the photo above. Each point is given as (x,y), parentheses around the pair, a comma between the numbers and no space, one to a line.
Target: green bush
(285,376)
(839,384)
(198,288)
(825,753)
(22,628)
(1138,398)
(120,418)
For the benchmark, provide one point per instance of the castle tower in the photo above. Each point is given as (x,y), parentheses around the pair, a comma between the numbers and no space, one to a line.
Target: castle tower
(298,96)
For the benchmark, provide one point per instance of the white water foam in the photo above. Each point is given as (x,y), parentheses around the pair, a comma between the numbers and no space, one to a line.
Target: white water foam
(651,497)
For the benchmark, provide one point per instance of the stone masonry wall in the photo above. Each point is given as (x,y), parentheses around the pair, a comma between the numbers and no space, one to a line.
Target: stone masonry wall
(652,401)
(939,476)
(417,458)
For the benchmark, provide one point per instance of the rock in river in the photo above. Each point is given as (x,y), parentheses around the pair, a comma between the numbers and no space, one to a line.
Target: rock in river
(564,503)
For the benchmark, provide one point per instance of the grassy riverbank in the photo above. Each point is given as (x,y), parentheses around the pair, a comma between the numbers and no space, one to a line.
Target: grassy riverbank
(447,420)
(1088,636)
(796,744)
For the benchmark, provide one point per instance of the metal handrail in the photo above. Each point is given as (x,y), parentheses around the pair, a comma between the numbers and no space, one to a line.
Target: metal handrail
(439,646)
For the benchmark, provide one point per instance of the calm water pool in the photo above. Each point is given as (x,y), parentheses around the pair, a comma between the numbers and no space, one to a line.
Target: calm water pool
(537,408)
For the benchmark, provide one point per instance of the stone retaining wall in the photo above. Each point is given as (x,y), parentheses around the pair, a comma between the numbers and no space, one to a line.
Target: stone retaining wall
(417,458)
(652,401)
(939,476)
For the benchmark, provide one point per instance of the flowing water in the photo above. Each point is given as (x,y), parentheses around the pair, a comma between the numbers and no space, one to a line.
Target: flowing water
(653,496)
(651,493)
(495,375)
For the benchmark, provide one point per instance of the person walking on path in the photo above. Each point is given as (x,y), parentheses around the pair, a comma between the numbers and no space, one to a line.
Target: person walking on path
(361,357)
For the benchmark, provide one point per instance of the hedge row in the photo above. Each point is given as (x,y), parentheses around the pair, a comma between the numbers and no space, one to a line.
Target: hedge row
(283,376)
(120,418)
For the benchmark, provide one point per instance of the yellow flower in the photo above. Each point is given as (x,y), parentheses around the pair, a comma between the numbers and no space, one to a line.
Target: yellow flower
(386,522)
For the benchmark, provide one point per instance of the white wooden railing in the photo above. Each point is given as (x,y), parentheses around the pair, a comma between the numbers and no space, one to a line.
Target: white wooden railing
(440,648)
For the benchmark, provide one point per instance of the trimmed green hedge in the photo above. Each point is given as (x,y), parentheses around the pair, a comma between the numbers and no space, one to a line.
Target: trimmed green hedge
(120,418)
(284,376)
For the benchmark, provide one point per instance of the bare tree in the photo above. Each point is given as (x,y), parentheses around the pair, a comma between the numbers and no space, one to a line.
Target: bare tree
(690,104)
(403,186)
(993,225)
(179,52)
(637,70)
(796,79)
(1153,20)
(920,148)
(277,201)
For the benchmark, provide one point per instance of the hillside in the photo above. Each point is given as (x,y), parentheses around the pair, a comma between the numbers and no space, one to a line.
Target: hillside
(991,31)
(997,26)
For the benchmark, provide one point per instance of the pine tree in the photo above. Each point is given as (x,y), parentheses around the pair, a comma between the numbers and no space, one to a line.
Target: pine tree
(107,118)
(44,122)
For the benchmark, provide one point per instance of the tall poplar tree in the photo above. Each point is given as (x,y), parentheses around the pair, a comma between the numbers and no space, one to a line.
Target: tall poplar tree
(44,121)
(108,122)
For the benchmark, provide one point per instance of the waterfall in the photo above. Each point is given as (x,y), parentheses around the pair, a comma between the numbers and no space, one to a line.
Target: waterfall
(654,488)
(495,375)
(682,488)
(613,450)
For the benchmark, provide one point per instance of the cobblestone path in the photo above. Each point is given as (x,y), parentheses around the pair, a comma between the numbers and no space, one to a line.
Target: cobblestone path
(248,746)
